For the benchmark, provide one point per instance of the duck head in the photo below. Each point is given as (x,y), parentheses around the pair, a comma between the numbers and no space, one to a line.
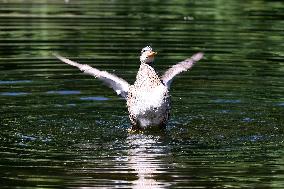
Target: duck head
(147,55)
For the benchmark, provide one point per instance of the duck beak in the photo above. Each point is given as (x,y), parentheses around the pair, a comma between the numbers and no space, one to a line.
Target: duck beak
(152,54)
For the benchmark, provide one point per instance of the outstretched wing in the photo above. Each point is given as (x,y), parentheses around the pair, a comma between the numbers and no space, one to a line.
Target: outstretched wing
(119,85)
(182,66)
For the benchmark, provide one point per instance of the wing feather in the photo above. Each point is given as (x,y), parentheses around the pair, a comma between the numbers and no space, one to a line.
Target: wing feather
(120,86)
(182,66)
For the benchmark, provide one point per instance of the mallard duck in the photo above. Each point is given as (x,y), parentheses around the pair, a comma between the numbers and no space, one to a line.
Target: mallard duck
(148,99)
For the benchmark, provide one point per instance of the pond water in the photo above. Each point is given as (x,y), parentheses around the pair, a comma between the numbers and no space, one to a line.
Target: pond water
(61,128)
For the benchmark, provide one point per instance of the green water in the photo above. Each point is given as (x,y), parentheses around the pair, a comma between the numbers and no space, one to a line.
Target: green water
(63,129)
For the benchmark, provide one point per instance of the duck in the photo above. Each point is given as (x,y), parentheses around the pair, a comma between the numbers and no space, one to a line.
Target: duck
(148,100)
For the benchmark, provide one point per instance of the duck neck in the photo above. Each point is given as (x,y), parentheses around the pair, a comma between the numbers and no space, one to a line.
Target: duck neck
(146,75)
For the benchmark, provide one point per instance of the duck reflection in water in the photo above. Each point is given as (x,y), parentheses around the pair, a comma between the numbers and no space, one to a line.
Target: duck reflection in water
(146,155)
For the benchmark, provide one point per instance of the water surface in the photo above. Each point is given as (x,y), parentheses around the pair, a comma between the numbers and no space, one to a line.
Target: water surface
(61,128)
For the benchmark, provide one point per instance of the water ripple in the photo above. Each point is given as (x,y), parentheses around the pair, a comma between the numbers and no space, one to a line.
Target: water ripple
(14,93)
(64,92)
(14,82)
(94,98)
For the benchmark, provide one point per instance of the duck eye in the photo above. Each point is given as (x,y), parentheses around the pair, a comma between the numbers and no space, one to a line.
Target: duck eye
(148,48)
